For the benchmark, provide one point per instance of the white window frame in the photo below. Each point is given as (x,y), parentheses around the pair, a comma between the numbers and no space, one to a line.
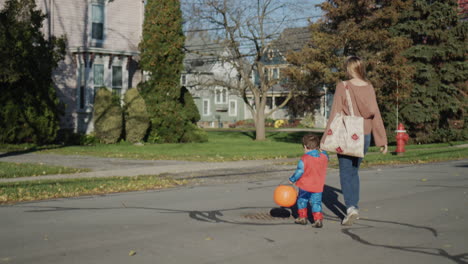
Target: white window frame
(273,73)
(94,86)
(112,79)
(222,98)
(93,41)
(233,113)
(208,110)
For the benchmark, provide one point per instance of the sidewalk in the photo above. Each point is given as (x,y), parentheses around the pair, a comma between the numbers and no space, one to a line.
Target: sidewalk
(116,167)
(111,167)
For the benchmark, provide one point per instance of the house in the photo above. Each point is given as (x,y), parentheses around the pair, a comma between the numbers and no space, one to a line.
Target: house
(274,63)
(102,51)
(205,75)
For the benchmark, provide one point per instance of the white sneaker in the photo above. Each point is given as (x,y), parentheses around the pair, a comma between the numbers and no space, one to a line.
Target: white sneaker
(351,215)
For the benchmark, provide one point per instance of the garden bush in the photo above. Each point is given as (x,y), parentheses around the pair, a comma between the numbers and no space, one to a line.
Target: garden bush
(136,116)
(108,117)
(194,134)
(308,121)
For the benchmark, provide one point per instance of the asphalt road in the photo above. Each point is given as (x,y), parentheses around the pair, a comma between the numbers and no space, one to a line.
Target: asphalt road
(409,214)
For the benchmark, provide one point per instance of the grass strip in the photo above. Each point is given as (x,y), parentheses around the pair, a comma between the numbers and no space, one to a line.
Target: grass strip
(15,170)
(415,156)
(222,146)
(48,189)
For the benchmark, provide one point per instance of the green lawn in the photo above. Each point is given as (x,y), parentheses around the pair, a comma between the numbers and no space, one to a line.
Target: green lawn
(14,170)
(237,145)
(222,146)
(48,189)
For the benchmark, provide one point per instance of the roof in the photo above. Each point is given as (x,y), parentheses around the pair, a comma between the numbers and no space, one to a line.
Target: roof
(202,53)
(292,39)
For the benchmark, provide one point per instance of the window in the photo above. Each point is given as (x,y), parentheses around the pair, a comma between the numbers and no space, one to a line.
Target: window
(184,79)
(82,96)
(269,102)
(279,100)
(97,16)
(233,107)
(117,80)
(98,78)
(256,78)
(81,87)
(206,107)
(275,74)
(98,75)
(221,96)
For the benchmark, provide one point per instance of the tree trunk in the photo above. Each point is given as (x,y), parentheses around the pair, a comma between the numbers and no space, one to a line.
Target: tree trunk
(260,126)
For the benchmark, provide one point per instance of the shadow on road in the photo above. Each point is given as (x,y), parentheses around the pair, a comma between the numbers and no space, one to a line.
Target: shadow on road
(225,215)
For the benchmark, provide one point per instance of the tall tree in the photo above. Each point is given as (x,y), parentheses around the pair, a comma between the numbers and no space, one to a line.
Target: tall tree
(162,57)
(29,106)
(356,28)
(245,30)
(437,107)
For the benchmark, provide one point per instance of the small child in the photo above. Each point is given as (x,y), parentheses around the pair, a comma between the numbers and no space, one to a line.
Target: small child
(309,177)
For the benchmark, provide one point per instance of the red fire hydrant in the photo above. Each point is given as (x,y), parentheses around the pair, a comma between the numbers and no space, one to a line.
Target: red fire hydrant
(401,139)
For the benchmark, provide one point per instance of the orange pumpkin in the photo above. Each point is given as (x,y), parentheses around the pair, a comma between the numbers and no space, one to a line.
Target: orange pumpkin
(285,195)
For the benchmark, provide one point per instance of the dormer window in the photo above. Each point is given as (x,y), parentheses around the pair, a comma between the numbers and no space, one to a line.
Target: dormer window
(275,73)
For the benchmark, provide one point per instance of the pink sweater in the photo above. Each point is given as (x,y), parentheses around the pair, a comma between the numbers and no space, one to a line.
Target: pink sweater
(365,105)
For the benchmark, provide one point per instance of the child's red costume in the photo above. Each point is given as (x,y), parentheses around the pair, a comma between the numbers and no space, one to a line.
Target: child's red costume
(310,178)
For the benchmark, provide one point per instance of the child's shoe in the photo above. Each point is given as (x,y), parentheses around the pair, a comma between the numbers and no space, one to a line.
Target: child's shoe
(301,221)
(318,224)
(351,216)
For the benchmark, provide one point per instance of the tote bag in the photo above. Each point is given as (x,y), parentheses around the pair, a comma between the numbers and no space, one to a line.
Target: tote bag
(346,133)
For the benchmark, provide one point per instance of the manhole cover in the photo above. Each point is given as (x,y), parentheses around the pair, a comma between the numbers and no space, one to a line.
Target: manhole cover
(274,214)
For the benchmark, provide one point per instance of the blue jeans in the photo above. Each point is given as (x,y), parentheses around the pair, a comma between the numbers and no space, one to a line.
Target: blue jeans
(349,175)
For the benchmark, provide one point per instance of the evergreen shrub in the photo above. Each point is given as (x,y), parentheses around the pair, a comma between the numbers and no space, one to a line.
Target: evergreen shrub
(136,116)
(194,134)
(108,117)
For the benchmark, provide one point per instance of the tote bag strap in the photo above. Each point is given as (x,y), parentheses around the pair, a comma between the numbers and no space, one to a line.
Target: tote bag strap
(348,98)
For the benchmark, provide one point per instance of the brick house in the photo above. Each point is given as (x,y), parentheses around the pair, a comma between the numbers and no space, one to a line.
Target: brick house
(102,51)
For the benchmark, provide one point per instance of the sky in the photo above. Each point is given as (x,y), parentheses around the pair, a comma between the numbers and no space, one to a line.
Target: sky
(297,17)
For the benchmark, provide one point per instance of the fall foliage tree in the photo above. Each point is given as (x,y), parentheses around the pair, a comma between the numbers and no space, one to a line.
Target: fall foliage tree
(357,28)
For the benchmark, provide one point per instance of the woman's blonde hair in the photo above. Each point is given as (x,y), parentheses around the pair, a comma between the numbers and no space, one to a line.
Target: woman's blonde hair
(355,68)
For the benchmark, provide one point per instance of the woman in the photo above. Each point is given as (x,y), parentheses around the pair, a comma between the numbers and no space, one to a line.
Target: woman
(365,105)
